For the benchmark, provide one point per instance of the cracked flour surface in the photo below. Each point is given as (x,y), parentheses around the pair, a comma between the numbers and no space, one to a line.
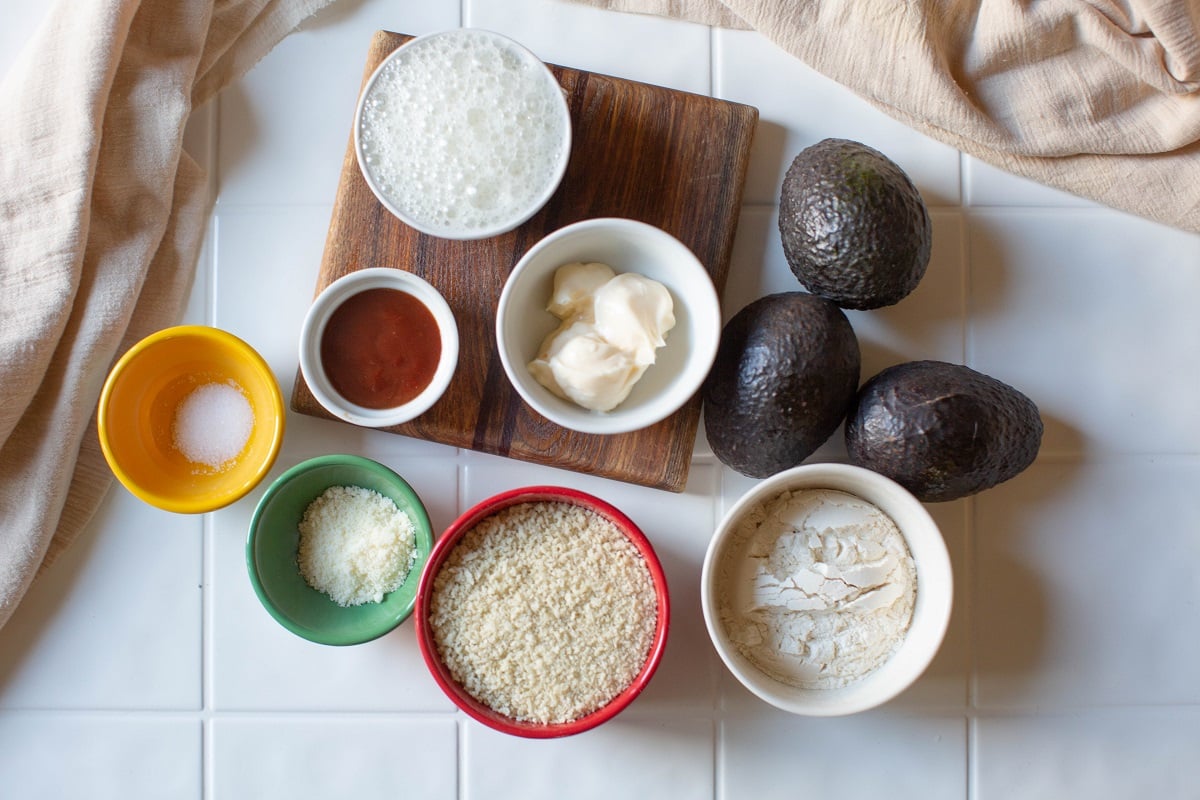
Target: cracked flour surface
(820,589)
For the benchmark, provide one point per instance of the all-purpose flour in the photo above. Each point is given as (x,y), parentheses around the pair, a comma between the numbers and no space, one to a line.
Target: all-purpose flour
(823,592)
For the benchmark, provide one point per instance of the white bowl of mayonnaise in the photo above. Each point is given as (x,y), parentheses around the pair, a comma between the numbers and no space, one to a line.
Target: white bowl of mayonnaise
(608,325)
(827,589)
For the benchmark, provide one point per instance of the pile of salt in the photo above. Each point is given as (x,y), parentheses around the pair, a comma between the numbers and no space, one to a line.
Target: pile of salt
(213,424)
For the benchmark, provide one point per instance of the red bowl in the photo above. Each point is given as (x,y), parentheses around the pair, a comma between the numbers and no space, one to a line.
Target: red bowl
(454,534)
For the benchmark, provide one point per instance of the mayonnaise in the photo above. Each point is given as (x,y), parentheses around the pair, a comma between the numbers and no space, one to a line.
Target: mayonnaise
(612,326)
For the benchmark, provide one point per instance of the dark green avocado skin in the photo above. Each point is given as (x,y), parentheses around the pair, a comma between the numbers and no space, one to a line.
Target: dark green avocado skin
(785,373)
(854,227)
(943,431)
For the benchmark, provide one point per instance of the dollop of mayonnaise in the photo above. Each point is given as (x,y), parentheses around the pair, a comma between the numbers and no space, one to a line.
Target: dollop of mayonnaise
(612,326)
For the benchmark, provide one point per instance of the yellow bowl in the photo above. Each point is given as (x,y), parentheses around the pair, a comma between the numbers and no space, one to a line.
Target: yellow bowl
(137,412)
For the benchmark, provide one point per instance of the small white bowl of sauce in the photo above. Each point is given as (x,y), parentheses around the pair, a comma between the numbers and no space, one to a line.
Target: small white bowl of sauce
(378,347)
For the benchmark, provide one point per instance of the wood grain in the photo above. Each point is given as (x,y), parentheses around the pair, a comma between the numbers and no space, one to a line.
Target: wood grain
(669,158)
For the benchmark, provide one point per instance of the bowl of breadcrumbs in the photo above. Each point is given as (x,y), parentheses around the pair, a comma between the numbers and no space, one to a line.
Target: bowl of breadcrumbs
(542,612)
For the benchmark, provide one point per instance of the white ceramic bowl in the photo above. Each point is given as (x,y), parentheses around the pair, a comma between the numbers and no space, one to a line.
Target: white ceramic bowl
(522,321)
(409,125)
(318,316)
(931,612)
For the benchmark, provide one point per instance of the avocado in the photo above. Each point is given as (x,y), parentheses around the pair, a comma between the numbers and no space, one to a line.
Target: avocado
(943,431)
(785,373)
(854,227)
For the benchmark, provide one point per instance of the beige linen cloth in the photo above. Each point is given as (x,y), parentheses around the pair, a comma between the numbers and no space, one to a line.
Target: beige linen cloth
(101,218)
(1096,97)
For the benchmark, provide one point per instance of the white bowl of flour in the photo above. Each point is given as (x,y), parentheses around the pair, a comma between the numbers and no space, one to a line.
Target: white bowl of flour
(827,589)
(462,134)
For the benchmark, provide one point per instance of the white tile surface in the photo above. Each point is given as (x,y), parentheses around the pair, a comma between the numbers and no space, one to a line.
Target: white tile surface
(642,757)
(301,101)
(1075,309)
(1068,668)
(775,756)
(630,45)
(21,22)
(114,624)
(1085,596)
(985,185)
(100,757)
(1096,754)
(313,758)
(794,104)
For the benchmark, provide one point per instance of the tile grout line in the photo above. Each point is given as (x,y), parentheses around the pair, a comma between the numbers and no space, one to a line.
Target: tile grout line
(460,761)
(208,538)
(970,788)
(712,61)
(718,770)
(715,715)
(963,181)
(207,712)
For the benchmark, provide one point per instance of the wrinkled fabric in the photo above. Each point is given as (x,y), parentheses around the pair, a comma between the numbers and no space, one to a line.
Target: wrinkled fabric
(1095,98)
(102,214)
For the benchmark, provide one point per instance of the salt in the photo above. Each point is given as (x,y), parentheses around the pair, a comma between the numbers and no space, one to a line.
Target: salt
(213,424)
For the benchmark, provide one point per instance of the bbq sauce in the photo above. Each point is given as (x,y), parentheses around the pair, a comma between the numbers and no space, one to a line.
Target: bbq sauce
(380,348)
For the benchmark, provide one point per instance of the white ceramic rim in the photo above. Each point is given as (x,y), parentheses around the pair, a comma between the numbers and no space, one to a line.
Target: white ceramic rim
(314,328)
(704,343)
(459,234)
(931,613)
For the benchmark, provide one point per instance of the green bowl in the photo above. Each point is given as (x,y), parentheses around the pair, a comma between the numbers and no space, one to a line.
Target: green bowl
(273,543)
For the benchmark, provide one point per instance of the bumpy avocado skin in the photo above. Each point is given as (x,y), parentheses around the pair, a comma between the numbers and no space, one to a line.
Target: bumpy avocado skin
(854,227)
(785,373)
(941,430)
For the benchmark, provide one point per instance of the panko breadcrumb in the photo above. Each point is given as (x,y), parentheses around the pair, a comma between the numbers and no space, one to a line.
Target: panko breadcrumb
(544,612)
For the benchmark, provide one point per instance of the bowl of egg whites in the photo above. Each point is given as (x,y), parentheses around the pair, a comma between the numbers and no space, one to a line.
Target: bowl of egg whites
(462,134)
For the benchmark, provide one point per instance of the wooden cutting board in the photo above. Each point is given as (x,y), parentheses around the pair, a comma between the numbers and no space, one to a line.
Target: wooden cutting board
(669,158)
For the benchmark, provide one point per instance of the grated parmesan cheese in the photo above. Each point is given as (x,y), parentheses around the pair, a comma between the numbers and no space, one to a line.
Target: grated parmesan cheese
(544,612)
(355,545)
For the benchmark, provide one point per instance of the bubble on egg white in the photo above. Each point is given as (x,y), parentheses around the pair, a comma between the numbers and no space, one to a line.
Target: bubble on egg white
(462,132)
